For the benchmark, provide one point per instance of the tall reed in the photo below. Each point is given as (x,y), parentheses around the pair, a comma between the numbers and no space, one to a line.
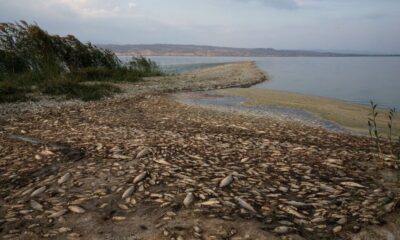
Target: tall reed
(373,127)
(31,58)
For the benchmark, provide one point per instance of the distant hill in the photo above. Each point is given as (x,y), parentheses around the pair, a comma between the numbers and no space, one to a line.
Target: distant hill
(210,51)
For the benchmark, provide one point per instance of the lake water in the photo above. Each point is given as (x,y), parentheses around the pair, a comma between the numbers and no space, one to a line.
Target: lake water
(355,79)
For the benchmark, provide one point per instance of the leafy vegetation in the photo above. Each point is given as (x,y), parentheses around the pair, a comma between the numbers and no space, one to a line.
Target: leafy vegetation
(31,60)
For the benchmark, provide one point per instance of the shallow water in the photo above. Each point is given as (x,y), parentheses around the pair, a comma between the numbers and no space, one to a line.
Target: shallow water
(211,99)
(354,79)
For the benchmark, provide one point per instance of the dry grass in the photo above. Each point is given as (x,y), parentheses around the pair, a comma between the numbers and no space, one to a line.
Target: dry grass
(349,115)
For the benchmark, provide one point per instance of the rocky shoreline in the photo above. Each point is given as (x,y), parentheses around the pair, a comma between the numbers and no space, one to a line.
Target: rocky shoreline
(142,166)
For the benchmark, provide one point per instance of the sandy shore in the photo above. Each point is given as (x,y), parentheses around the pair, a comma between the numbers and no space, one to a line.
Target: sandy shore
(352,116)
(143,166)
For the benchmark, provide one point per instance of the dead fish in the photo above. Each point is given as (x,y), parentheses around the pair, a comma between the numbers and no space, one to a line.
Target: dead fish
(211,203)
(26,192)
(337,229)
(282,229)
(245,205)
(352,184)
(58,213)
(188,200)
(128,192)
(389,207)
(35,205)
(226,181)
(123,206)
(140,177)
(318,220)
(64,230)
(118,218)
(292,211)
(64,178)
(334,161)
(99,146)
(76,209)
(162,161)
(143,153)
(46,152)
(38,191)
(119,156)
(297,204)
(327,188)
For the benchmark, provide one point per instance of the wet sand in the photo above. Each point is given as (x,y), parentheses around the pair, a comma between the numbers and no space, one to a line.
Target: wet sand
(349,115)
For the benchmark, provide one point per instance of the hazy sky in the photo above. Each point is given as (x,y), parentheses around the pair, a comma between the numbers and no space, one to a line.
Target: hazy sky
(360,25)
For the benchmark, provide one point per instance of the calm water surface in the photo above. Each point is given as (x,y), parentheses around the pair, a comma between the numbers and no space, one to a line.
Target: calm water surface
(355,79)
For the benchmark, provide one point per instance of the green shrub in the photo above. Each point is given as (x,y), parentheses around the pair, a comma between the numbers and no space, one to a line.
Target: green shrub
(11,93)
(81,91)
(144,67)
(30,58)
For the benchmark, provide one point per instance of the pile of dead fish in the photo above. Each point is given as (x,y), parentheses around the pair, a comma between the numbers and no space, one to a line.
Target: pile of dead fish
(302,181)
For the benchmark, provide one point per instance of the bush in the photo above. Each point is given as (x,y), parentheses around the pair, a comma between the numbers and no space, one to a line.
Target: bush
(26,47)
(30,57)
(81,91)
(11,93)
